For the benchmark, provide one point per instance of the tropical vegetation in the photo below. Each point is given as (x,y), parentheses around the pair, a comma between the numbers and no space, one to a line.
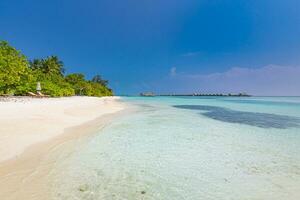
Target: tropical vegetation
(19,76)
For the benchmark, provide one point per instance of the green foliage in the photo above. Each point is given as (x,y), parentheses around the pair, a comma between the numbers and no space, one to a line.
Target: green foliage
(87,88)
(77,81)
(98,79)
(56,90)
(18,76)
(100,90)
(14,69)
(75,78)
(50,66)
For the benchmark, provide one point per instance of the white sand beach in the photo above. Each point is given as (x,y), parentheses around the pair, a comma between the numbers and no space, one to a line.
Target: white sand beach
(27,121)
(34,132)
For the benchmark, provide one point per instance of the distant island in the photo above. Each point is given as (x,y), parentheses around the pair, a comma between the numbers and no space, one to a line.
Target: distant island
(152,94)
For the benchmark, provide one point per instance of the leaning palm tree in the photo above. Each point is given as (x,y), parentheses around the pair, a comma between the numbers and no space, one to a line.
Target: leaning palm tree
(98,79)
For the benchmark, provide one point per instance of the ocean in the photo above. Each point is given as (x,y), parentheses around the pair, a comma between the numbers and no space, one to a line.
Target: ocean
(189,148)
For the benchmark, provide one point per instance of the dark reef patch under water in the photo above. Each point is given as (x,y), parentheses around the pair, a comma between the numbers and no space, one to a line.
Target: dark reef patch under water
(260,102)
(262,120)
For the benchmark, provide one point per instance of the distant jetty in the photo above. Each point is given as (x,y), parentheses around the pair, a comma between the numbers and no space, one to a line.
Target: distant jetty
(147,94)
(152,94)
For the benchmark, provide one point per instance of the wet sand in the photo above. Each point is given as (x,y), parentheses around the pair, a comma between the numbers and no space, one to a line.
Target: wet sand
(27,174)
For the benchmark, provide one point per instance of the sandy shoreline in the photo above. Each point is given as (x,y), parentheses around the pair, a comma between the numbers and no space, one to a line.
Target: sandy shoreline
(27,162)
(25,122)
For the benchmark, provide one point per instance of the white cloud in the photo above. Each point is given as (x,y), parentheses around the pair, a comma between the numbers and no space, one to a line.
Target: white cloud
(267,80)
(173,71)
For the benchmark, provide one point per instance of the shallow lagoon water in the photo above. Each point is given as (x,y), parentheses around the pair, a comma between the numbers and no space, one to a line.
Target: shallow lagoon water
(189,148)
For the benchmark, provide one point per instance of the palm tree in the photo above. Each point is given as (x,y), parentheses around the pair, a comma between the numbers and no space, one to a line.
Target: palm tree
(51,65)
(98,79)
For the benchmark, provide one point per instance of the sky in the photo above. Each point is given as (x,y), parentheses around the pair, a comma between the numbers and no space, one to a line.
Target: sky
(182,46)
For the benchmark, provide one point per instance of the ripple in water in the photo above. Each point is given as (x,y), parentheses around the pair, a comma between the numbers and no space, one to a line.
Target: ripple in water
(161,152)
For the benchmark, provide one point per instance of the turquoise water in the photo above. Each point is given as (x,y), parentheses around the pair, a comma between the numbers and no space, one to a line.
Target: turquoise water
(190,148)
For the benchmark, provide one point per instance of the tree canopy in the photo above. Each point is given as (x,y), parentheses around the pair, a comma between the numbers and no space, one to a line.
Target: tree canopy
(14,69)
(50,66)
(18,76)
(98,79)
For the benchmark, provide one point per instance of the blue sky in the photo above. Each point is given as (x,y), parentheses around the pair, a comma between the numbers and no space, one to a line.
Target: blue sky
(165,46)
